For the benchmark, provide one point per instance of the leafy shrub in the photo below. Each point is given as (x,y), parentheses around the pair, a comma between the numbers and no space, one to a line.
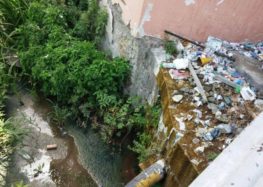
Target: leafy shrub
(57,49)
(170,47)
(12,14)
(142,145)
(3,83)
(11,133)
(62,66)
(119,117)
(92,23)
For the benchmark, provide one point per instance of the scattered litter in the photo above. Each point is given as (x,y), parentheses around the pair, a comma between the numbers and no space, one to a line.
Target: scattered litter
(228,141)
(259,104)
(205,123)
(221,106)
(177,98)
(206,60)
(167,65)
(225,128)
(189,117)
(211,135)
(248,94)
(200,131)
(200,149)
(226,81)
(213,107)
(181,63)
(214,43)
(207,78)
(197,121)
(195,140)
(195,162)
(52,146)
(198,112)
(181,123)
(198,83)
(178,75)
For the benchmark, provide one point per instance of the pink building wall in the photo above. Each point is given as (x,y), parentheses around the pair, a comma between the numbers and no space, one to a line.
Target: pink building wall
(232,20)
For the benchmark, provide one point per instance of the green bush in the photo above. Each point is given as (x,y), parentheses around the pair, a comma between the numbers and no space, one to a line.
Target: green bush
(68,69)
(11,134)
(143,143)
(119,117)
(4,78)
(170,47)
(12,14)
(92,23)
(57,47)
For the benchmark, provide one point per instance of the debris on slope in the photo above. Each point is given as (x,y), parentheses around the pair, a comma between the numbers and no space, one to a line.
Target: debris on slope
(212,101)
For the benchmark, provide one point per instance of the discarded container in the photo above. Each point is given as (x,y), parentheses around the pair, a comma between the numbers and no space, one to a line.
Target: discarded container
(226,81)
(52,146)
(248,94)
(178,75)
(181,63)
(214,43)
(205,60)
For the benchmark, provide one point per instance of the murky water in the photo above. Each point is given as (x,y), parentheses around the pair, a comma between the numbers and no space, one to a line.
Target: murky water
(84,161)
(107,167)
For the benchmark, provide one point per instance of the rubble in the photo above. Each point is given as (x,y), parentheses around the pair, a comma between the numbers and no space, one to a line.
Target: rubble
(218,99)
(248,94)
(177,98)
(259,104)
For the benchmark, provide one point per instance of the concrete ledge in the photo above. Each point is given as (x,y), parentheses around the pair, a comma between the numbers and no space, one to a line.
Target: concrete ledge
(240,164)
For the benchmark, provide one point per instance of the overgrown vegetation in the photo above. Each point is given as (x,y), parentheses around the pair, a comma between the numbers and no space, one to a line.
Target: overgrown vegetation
(10,130)
(12,14)
(3,83)
(10,134)
(57,44)
(143,144)
(170,47)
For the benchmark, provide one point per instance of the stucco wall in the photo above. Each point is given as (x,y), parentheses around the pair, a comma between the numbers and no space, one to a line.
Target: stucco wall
(233,20)
(131,12)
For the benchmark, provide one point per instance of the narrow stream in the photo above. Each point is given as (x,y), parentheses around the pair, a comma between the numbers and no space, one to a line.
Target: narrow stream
(81,159)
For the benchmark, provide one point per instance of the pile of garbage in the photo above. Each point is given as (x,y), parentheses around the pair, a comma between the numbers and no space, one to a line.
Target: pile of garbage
(217,86)
(248,49)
